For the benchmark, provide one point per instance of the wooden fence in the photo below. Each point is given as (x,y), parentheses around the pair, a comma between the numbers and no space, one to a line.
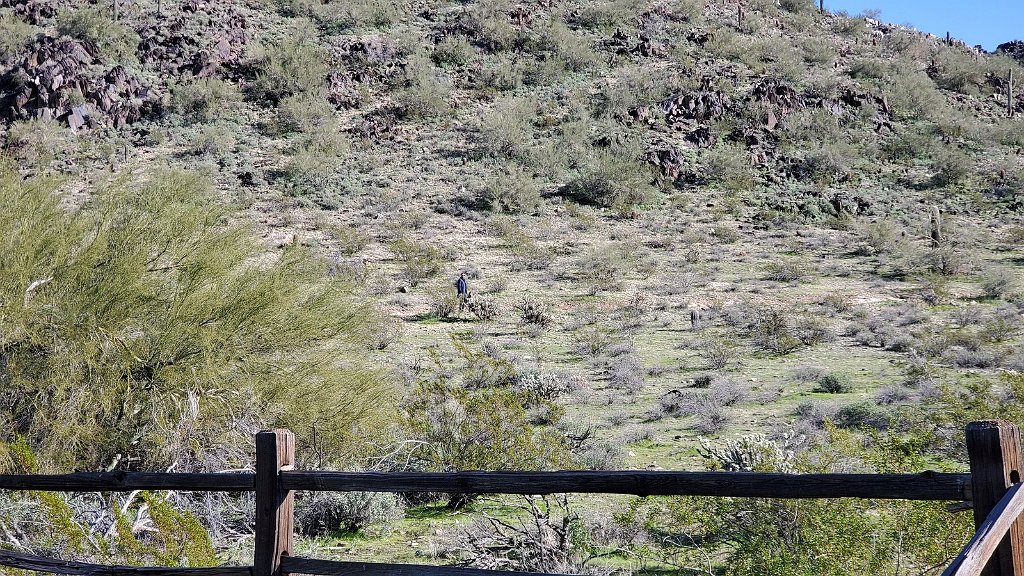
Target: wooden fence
(993,488)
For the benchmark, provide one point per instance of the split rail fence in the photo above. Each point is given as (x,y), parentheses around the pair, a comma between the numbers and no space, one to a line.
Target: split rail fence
(992,487)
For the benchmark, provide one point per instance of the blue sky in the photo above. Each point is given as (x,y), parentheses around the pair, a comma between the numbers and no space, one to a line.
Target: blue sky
(985,22)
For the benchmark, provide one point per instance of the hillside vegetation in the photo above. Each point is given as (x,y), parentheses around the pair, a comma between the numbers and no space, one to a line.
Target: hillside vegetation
(736,235)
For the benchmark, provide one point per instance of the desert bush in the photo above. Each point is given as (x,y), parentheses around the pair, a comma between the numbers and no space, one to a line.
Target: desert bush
(418,261)
(484,308)
(951,167)
(343,16)
(489,25)
(485,429)
(958,71)
(832,383)
(305,112)
(203,100)
(179,305)
(786,270)
(15,35)
(454,50)
(797,6)
(818,51)
(533,311)
(604,14)
(38,143)
(626,372)
(443,303)
(730,166)
(878,237)
(604,265)
(717,353)
(287,67)
(711,420)
(912,95)
(772,332)
(115,40)
(324,513)
(213,140)
(557,41)
(808,373)
(425,92)
(612,179)
(997,283)
(506,130)
(861,415)
(312,170)
(892,394)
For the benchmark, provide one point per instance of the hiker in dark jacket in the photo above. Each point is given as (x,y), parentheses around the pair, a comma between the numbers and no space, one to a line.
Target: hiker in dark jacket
(463,290)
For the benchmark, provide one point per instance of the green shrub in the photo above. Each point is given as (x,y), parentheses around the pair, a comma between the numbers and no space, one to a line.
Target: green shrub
(998,283)
(604,14)
(203,100)
(951,167)
(343,16)
(489,24)
(611,179)
(325,513)
(833,383)
(534,311)
(149,326)
(506,130)
(797,6)
(304,112)
(418,260)
(453,50)
(288,67)
(425,93)
(15,35)
(116,41)
(515,191)
(729,166)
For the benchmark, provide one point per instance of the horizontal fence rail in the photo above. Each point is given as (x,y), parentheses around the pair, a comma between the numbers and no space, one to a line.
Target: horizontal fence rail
(127,481)
(293,565)
(52,566)
(924,486)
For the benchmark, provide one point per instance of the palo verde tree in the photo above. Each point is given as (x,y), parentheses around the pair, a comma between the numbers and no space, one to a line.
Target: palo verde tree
(144,330)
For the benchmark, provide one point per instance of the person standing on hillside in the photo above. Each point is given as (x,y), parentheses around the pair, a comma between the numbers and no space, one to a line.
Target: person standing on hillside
(463,290)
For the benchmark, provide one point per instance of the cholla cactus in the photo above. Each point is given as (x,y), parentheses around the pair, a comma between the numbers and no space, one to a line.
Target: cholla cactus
(752,453)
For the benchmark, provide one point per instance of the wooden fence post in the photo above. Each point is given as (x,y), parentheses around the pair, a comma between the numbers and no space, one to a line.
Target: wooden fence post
(994,449)
(275,450)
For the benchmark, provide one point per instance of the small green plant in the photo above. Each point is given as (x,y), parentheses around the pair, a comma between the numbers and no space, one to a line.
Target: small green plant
(116,40)
(514,191)
(15,35)
(288,67)
(418,260)
(203,100)
(611,179)
(535,312)
(833,383)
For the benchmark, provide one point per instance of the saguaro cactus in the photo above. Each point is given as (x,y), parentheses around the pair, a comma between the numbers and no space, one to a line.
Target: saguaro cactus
(936,226)
(1009,94)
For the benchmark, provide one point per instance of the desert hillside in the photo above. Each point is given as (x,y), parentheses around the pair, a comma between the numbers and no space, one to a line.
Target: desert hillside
(726,235)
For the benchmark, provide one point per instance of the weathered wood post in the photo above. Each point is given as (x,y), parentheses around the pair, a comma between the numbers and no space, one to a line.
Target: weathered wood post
(275,451)
(994,449)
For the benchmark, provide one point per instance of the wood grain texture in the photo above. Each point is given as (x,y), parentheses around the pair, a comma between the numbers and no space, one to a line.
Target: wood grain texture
(994,449)
(275,449)
(924,486)
(331,568)
(52,566)
(127,481)
(975,556)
